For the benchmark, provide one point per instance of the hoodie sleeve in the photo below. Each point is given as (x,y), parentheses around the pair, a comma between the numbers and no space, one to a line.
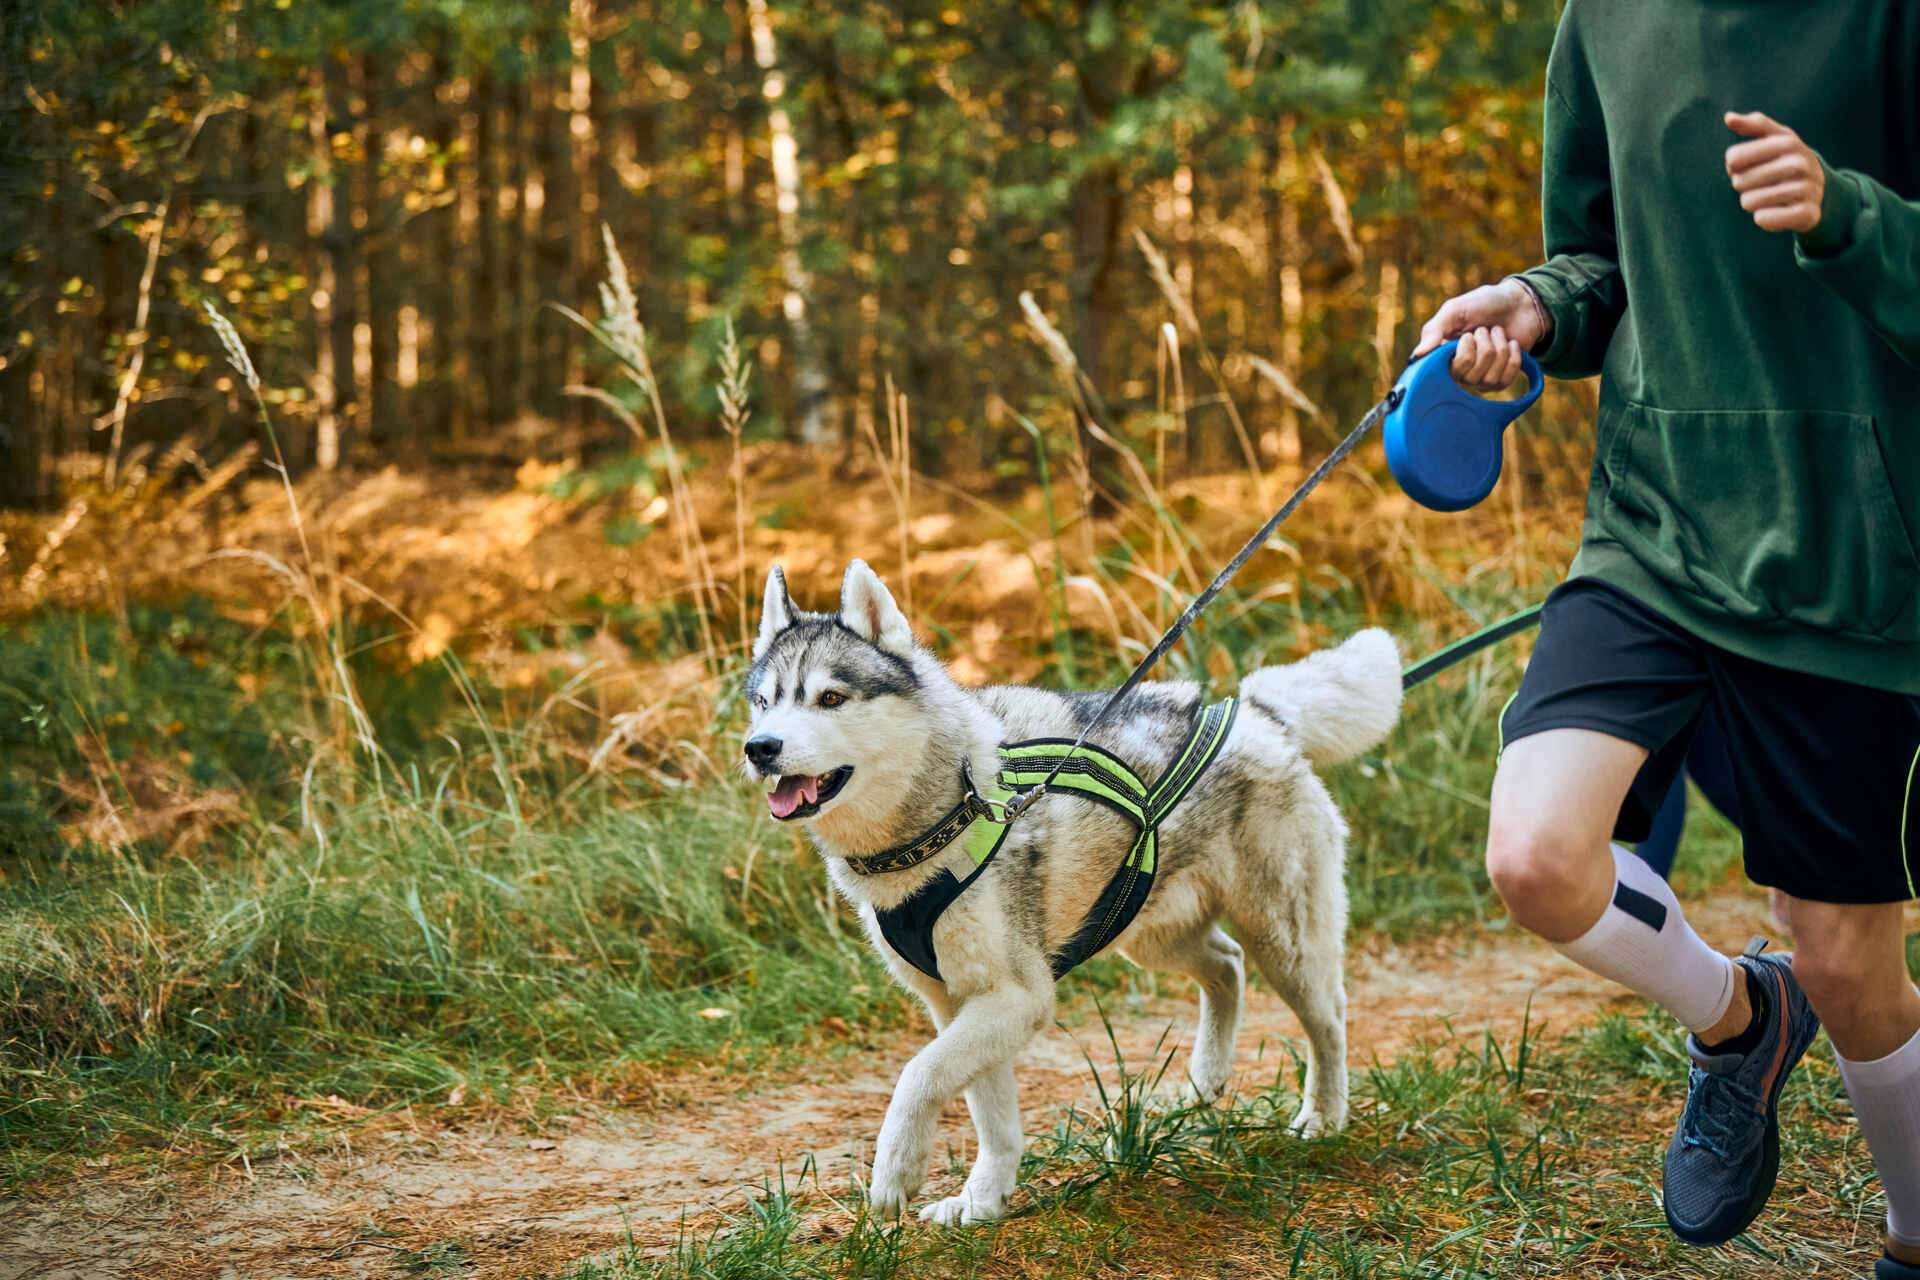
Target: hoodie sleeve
(1866,248)
(1579,285)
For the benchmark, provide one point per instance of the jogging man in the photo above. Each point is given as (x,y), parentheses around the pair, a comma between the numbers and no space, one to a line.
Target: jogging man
(1732,215)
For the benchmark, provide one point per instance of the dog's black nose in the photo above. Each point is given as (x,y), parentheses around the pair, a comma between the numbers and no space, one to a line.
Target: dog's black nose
(763,750)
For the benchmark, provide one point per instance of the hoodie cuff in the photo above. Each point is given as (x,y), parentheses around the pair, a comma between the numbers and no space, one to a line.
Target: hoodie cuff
(1552,297)
(1839,207)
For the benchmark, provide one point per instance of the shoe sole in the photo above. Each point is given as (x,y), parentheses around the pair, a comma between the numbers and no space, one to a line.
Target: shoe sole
(1787,1057)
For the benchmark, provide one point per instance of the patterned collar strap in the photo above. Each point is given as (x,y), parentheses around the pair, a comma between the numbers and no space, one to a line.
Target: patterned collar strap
(928,843)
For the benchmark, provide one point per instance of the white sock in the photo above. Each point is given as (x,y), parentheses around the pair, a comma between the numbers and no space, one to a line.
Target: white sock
(1643,943)
(1886,1100)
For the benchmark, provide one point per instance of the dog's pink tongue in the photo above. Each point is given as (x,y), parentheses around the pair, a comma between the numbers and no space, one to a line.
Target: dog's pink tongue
(794,790)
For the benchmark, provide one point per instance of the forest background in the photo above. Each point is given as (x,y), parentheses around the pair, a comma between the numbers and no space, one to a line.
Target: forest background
(386,197)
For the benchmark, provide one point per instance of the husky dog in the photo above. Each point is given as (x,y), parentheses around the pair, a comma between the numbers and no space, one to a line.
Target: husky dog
(864,736)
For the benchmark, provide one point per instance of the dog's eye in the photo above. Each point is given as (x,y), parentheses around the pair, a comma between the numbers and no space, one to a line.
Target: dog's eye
(757,702)
(832,698)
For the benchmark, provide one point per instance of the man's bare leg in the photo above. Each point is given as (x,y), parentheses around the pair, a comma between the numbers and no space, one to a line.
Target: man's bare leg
(1852,964)
(1550,857)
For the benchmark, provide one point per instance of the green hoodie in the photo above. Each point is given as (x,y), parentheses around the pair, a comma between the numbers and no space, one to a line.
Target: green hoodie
(1757,472)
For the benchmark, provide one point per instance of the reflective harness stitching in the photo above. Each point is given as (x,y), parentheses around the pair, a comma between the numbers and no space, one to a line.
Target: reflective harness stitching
(1092,774)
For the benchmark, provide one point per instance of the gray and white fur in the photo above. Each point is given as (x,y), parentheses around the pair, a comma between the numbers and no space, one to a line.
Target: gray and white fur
(848,699)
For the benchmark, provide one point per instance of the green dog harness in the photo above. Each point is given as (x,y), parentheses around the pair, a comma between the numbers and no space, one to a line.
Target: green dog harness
(1091,773)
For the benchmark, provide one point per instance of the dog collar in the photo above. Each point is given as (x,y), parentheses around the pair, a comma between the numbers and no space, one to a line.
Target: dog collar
(902,857)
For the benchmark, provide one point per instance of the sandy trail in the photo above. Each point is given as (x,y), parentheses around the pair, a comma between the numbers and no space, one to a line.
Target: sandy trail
(518,1204)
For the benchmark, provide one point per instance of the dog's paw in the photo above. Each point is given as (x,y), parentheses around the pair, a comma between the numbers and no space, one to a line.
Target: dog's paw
(890,1189)
(968,1206)
(1312,1122)
(1206,1089)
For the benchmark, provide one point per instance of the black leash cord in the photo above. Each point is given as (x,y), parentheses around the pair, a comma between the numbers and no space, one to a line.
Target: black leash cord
(1019,803)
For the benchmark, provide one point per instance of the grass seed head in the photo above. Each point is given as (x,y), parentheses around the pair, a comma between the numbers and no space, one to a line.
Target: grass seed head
(236,350)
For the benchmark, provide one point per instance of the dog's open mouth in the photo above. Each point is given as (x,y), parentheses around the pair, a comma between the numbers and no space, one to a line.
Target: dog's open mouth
(800,795)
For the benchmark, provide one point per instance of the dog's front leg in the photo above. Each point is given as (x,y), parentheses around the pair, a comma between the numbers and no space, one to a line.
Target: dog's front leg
(993,1100)
(982,1040)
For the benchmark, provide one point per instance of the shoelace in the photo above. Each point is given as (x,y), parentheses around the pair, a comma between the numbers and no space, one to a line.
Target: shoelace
(1724,1115)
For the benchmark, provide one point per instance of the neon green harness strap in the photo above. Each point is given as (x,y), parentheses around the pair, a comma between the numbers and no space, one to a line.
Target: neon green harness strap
(1091,773)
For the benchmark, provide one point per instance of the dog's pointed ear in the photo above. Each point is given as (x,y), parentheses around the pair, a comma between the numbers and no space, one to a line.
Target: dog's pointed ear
(867,609)
(776,611)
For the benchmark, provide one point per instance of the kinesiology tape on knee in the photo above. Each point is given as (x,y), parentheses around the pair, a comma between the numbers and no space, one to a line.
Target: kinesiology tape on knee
(1886,1100)
(1643,942)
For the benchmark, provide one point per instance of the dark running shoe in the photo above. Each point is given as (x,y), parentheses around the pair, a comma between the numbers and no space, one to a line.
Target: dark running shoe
(1890,1268)
(1726,1153)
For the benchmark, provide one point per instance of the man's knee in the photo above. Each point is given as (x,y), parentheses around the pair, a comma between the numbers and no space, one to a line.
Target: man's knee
(1835,982)
(1535,869)
(1554,800)
(1830,962)
(1838,958)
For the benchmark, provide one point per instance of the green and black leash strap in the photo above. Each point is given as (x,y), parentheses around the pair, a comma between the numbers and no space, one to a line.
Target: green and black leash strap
(1461,650)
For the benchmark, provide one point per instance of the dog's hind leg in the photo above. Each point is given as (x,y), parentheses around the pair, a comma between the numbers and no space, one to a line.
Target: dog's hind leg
(993,1101)
(1296,934)
(1313,989)
(1215,962)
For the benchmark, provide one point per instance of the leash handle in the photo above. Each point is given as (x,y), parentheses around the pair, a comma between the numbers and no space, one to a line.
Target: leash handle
(1024,800)
(1444,443)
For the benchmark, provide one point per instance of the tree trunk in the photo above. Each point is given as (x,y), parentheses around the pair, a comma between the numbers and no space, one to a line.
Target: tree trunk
(327,368)
(22,462)
(343,246)
(447,385)
(485,296)
(559,208)
(1291,257)
(381,285)
(1095,214)
(523,253)
(583,129)
(814,404)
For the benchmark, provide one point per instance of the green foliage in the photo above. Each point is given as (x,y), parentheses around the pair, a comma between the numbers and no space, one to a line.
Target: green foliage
(91,696)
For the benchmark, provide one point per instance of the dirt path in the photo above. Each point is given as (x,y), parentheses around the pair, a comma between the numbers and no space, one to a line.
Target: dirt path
(515,1204)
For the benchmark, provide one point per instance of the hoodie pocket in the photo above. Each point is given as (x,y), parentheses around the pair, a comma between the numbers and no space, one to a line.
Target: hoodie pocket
(1768,514)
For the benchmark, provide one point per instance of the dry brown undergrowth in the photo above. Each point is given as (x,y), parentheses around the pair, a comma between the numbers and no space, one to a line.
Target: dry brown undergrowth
(454,556)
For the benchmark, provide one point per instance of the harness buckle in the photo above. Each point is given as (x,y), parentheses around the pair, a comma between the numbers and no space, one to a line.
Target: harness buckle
(1003,812)
(1022,802)
(999,812)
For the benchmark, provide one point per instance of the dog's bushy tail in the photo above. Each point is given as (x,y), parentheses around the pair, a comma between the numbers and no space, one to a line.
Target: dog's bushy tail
(1336,702)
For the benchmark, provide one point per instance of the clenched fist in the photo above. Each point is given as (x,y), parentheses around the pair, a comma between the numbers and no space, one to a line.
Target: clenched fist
(1494,323)
(1780,178)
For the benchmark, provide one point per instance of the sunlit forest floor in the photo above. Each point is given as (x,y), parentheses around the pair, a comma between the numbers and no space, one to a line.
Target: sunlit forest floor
(375,897)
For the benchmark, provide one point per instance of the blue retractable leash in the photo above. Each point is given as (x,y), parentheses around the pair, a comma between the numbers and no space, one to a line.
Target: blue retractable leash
(1444,446)
(1443,442)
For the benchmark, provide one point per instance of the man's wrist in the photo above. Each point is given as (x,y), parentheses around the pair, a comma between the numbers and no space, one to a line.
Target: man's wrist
(1839,207)
(1541,318)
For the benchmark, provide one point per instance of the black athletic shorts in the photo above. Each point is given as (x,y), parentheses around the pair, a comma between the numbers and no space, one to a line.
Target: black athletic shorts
(1824,771)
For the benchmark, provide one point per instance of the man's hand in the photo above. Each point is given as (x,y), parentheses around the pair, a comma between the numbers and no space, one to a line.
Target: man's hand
(1780,178)
(1494,323)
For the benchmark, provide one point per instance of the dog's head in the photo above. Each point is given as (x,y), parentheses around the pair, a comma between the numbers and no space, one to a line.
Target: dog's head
(837,716)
